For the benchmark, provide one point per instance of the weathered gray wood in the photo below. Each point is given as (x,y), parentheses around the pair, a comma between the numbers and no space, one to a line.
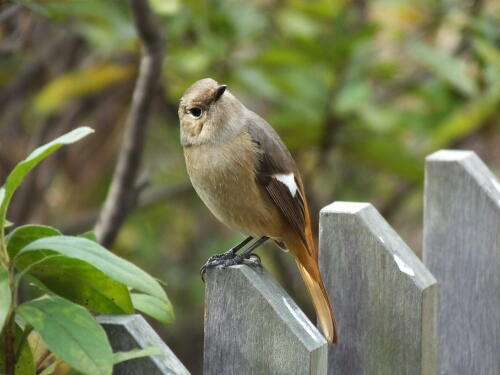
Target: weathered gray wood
(462,249)
(253,327)
(127,332)
(384,297)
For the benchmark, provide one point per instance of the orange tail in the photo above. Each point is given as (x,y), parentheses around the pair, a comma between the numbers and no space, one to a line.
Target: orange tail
(309,270)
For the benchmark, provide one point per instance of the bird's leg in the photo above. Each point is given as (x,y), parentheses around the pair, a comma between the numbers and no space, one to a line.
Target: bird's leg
(233,258)
(231,253)
(247,253)
(217,258)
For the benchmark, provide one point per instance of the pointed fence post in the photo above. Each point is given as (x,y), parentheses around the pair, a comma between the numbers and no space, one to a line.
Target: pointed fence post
(127,332)
(252,326)
(384,297)
(462,248)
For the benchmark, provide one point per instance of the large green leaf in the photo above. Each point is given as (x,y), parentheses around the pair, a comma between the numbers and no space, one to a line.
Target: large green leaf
(25,364)
(19,172)
(5,296)
(23,235)
(154,307)
(71,333)
(82,283)
(89,251)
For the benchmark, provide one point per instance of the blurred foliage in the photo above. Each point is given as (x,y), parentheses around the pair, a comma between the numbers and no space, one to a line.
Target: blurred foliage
(360,91)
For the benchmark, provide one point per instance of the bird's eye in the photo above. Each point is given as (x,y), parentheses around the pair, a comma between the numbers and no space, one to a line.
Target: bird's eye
(195,111)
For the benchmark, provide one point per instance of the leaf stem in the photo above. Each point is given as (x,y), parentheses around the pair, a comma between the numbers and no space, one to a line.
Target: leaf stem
(10,328)
(24,337)
(4,255)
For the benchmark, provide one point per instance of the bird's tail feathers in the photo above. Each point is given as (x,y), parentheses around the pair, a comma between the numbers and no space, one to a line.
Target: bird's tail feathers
(309,271)
(321,304)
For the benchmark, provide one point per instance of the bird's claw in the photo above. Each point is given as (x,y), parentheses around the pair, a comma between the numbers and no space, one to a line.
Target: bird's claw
(228,259)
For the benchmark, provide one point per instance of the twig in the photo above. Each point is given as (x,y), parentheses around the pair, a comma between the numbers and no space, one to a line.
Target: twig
(122,194)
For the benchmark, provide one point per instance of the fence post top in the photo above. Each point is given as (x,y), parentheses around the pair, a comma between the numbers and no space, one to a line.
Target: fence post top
(345,207)
(451,155)
(368,219)
(471,165)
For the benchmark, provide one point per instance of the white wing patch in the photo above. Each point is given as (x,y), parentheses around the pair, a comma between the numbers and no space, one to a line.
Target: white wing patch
(289,181)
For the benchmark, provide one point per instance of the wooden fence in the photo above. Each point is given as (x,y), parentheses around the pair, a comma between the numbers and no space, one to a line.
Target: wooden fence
(396,314)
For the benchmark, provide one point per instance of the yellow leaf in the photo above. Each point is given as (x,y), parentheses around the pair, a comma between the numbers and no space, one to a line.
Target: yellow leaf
(88,80)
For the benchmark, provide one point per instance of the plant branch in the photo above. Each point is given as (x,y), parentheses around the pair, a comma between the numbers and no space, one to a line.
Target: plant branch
(122,194)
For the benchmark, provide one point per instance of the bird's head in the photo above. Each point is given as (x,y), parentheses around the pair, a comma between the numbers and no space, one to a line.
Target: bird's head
(209,114)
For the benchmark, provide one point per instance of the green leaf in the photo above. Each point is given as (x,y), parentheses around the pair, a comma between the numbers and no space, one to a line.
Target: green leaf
(165,7)
(446,67)
(19,172)
(23,235)
(5,296)
(90,235)
(135,353)
(154,307)
(115,267)
(297,23)
(82,283)
(25,364)
(7,223)
(71,333)
(488,52)
(465,120)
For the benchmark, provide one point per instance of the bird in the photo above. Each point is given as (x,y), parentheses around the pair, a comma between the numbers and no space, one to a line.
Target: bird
(245,175)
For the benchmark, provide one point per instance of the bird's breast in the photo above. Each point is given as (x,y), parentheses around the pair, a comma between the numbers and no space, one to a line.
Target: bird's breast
(224,178)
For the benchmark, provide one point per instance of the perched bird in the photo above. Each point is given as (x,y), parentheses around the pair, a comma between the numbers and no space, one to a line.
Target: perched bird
(246,176)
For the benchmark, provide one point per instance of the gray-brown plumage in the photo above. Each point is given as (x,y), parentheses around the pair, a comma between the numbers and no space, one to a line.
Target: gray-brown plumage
(246,176)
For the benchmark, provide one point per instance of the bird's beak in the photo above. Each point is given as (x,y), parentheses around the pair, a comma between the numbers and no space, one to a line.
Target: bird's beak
(219,91)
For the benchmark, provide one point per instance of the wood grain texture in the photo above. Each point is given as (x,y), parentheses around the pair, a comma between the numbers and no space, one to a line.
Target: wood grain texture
(462,248)
(126,332)
(384,297)
(252,326)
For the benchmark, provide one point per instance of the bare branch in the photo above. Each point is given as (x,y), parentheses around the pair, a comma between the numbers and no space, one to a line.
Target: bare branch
(122,194)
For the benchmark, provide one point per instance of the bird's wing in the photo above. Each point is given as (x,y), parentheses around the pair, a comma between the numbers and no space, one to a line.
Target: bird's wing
(277,173)
(279,177)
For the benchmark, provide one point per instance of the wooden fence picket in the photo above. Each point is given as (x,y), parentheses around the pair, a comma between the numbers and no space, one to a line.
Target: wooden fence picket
(462,249)
(252,326)
(384,297)
(127,332)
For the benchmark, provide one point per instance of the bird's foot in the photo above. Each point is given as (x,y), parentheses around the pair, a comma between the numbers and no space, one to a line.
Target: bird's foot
(228,259)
